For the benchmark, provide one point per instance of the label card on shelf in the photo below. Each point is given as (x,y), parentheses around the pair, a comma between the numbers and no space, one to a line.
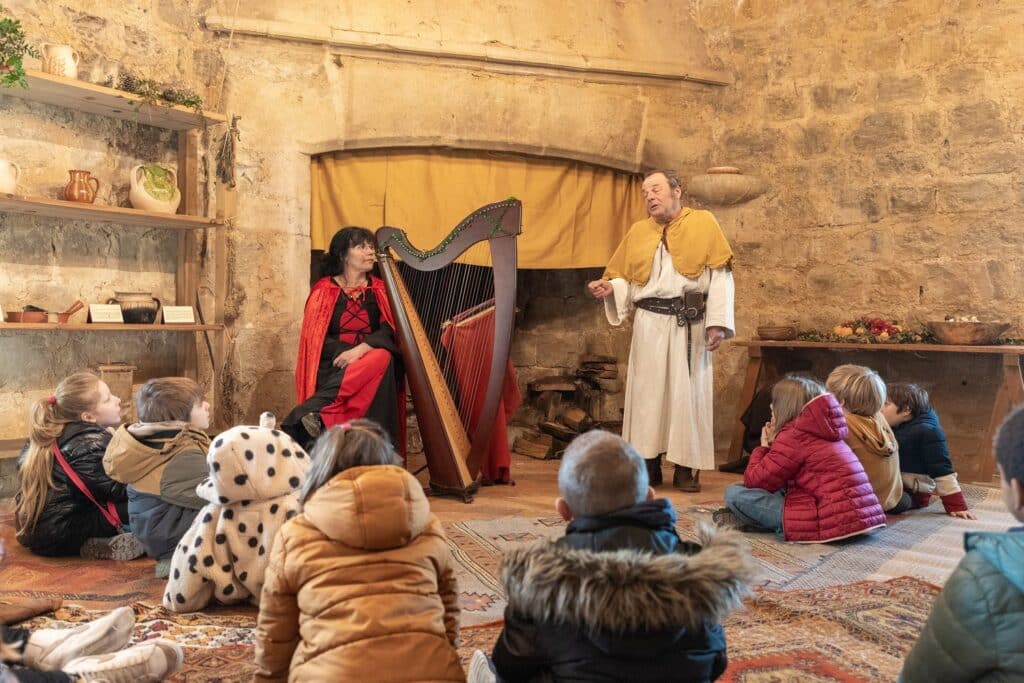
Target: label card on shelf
(179,315)
(105,313)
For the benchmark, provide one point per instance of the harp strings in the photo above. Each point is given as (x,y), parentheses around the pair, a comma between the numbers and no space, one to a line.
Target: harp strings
(449,297)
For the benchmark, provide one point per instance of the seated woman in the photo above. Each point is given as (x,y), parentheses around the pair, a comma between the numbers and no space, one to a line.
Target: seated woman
(346,368)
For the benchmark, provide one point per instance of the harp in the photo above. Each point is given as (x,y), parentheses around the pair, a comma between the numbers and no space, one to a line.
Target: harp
(428,292)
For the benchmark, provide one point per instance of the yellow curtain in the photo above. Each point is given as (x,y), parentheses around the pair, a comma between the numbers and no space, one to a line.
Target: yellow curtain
(574,214)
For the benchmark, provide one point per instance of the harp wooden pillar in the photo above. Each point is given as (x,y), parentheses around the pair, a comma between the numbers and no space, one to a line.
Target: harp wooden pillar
(454,457)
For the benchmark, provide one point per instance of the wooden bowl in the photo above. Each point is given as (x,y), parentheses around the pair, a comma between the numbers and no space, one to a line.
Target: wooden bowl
(777,333)
(967,334)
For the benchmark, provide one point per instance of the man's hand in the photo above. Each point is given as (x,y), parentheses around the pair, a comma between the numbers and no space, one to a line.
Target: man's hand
(963,514)
(599,289)
(714,335)
(350,356)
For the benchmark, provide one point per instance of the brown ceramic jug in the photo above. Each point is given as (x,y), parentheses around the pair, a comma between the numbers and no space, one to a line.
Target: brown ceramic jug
(81,188)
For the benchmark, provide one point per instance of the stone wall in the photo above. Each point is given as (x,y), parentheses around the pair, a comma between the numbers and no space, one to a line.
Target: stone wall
(891,136)
(51,262)
(298,97)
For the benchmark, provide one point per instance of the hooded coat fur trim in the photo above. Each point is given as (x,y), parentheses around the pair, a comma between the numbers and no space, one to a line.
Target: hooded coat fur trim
(626,591)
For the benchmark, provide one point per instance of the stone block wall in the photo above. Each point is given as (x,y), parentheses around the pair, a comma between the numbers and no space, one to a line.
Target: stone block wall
(891,137)
(52,262)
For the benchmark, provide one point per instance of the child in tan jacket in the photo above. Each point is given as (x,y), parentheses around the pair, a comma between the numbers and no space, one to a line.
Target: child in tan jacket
(360,585)
(861,392)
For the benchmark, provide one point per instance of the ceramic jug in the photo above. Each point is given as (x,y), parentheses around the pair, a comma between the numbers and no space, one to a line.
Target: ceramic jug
(154,188)
(60,60)
(9,172)
(81,188)
(137,307)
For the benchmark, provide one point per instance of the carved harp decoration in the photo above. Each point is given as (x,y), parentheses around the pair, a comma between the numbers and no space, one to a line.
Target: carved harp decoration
(445,409)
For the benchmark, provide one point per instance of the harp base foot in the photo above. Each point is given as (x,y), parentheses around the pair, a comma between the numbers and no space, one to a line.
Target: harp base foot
(466,493)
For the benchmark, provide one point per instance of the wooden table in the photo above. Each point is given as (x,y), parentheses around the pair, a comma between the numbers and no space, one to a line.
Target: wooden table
(1009,394)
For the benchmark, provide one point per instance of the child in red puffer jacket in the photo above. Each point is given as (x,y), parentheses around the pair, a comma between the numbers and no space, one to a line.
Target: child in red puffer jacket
(803,482)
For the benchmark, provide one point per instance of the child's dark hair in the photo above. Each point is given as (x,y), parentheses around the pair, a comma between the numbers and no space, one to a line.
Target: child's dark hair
(358,443)
(168,399)
(1009,446)
(333,261)
(906,396)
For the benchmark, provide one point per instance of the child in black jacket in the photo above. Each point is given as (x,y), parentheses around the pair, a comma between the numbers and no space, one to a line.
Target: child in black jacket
(925,465)
(620,596)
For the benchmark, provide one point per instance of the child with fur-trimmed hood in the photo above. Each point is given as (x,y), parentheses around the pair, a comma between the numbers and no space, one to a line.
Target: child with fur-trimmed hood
(620,596)
(255,476)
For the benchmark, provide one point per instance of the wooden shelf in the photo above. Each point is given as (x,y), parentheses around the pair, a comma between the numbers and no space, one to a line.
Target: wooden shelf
(108,327)
(55,208)
(118,104)
(1003,349)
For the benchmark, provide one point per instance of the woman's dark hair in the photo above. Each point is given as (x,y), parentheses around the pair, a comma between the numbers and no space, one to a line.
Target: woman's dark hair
(358,443)
(333,261)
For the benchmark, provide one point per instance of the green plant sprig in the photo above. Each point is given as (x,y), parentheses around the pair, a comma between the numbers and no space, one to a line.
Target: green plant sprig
(152,92)
(13,48)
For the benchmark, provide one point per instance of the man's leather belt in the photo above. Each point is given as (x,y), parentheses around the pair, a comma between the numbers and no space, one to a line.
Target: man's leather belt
(686,309)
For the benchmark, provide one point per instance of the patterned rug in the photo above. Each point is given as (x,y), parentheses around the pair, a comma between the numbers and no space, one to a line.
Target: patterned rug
(832,632)
(925,544)
(857,632)
(217,644)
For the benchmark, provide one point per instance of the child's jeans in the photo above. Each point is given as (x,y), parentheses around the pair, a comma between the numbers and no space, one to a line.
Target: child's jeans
(756,507)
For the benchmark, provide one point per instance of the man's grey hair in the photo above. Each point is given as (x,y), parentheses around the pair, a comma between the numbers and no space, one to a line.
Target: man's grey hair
(671,176)
(601,472)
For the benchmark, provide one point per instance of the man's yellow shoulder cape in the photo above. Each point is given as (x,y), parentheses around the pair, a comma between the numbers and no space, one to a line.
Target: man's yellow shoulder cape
(695,240)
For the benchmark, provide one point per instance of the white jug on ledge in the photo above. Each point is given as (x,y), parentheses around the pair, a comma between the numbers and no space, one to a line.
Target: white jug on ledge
(154,188)
(9,172)
(60,60)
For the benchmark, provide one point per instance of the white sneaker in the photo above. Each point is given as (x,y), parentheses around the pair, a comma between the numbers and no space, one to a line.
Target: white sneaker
(146,662)
(122,547)
(480,670)
(49,649)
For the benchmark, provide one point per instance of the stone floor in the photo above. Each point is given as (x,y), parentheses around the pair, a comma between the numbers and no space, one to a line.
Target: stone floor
(536,487)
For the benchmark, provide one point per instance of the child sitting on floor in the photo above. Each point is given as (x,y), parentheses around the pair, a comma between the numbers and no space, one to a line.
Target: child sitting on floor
(162,459)
(66,503)
(924,457)
(361,585)
(861,393)
(620,597)
(803,482)
(95,651)
(254,478)
(974,630)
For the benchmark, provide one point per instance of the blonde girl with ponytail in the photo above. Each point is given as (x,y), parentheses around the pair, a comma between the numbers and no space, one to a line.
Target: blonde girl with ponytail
(67,504)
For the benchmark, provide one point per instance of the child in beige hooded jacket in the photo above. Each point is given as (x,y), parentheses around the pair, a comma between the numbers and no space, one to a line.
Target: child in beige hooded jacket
(361,585)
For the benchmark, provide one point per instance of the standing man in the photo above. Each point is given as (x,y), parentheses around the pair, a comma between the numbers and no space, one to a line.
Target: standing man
(674,268)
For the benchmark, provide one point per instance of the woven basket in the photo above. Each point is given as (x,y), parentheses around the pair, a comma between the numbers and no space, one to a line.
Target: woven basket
(776,333)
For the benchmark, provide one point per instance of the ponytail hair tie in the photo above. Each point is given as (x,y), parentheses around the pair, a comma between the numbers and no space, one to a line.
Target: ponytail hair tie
(52,400)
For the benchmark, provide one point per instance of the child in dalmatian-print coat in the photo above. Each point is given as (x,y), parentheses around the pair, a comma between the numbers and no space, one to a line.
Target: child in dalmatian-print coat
(255,476)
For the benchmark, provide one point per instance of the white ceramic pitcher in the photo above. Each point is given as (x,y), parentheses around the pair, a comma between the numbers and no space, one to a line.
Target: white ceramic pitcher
(9,172)
(60,60)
